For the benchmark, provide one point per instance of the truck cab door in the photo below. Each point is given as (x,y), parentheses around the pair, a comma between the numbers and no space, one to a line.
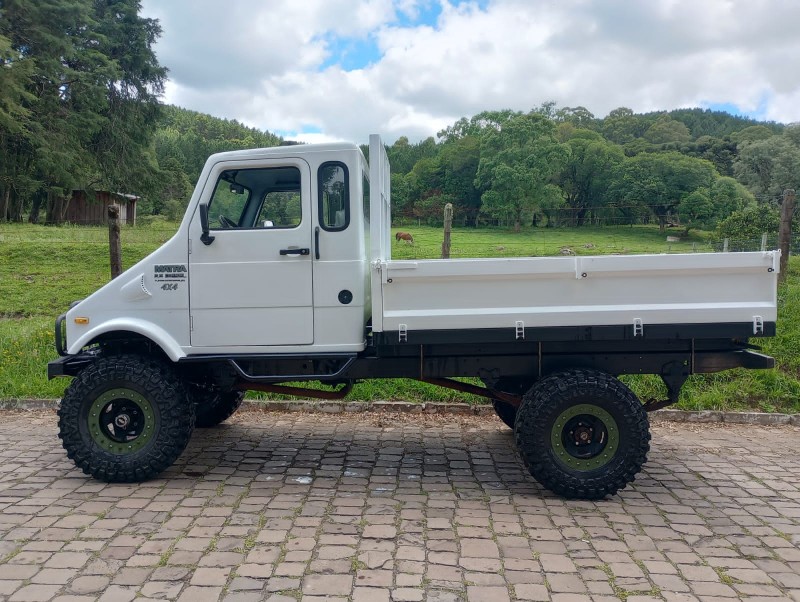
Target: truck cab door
(252,285)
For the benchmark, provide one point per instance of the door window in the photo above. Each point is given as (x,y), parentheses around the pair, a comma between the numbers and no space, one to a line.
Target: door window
(256,198)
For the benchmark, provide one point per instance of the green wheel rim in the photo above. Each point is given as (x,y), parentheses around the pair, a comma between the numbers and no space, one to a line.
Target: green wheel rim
(559,437)
(118,406)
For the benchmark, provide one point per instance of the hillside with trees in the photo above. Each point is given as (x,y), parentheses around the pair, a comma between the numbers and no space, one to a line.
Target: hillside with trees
(555,167)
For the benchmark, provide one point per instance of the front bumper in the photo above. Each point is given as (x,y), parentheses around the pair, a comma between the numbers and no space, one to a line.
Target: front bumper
(69,365)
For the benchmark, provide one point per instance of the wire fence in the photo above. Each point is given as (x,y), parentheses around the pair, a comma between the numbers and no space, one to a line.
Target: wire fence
(569,242)
(466,242)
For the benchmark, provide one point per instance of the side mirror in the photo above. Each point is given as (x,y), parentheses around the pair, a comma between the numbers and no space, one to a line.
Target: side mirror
(205,237)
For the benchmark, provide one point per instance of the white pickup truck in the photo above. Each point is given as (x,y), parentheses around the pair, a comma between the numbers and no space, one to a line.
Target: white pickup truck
(281,271)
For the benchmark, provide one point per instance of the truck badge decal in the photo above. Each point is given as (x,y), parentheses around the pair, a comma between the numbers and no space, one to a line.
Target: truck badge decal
(169,275)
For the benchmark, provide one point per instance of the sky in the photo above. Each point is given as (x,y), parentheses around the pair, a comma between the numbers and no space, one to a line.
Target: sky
(321,70)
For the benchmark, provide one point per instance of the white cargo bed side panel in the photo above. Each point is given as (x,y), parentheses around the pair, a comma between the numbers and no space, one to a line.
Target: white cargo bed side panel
(580,291)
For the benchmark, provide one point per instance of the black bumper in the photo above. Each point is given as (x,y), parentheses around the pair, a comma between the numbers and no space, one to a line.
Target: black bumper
(69,365)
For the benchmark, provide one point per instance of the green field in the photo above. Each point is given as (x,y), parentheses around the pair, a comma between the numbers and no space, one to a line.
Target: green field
(43,269)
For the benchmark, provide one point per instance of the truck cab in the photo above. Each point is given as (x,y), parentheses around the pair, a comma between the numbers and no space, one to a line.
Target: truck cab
(271,257)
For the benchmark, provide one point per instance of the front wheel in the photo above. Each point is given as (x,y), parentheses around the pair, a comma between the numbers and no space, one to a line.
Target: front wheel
(582,434)
(125,418)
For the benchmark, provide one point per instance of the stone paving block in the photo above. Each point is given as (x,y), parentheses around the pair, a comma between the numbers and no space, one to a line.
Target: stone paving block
(531,591)
(208,576)
(407,594)
(479,593)
(118,593)
(35,593)
(332,585)
(370,594)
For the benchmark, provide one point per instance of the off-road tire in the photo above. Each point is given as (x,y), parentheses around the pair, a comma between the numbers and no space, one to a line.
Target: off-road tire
(582,392)
(214,407)
(166,414)
(505,412)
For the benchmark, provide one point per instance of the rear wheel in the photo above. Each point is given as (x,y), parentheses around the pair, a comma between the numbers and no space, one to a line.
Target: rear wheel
(125,418)
(582,434)
(213,407)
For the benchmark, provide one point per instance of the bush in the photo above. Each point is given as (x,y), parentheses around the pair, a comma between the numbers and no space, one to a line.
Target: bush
(750,223)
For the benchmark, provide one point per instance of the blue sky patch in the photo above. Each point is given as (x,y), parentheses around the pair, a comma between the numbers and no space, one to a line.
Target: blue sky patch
(729,107)
(351,53)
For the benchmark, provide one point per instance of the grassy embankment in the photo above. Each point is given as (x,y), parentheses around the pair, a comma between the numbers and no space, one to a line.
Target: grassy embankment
(43,269)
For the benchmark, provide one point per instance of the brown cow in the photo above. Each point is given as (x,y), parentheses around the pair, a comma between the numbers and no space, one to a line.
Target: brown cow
(406,236)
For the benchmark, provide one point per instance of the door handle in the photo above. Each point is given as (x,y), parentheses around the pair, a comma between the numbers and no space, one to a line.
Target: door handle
(316,242)
(295,251)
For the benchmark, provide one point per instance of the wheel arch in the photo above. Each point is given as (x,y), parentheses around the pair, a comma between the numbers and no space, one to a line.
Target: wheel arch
(131,332)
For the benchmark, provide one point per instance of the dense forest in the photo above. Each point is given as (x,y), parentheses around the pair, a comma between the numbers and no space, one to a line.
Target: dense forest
(80,110)
(565,167)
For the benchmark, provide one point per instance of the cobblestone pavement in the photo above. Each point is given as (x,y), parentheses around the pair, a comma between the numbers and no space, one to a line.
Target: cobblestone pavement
(368,507)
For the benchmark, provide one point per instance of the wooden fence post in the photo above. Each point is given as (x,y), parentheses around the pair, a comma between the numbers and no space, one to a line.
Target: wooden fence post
(114,246)
(448,225)
(785,231)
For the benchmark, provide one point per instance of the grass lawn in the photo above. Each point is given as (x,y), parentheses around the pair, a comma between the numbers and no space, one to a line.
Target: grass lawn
(43,269)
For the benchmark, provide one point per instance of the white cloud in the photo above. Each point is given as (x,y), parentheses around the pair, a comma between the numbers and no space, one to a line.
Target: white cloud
(262,63)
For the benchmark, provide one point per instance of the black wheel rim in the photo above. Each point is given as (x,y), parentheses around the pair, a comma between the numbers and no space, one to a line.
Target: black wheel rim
(121,421)
(584,437)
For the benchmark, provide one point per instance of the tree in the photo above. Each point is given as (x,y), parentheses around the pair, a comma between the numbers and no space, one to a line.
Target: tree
(51,52)
(660,180)
(580,117)
(753,133)
(478,124)
(767,167)
(586,174)
(622,126)
(400,194)
(696,208)
(516,166)
(749,223)
(190,137)
(459,161)
(123,144)
(78,101)
(720,151)
(728,196)
(665,130)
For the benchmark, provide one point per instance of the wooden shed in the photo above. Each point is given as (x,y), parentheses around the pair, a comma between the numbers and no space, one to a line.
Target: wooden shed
(88,207)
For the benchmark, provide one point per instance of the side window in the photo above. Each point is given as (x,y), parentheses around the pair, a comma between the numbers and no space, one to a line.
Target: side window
(256,198)
(334,197)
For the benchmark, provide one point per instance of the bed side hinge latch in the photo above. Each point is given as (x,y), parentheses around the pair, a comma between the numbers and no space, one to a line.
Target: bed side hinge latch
(519,330)
(638,327)
(402,333)
(758,325)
